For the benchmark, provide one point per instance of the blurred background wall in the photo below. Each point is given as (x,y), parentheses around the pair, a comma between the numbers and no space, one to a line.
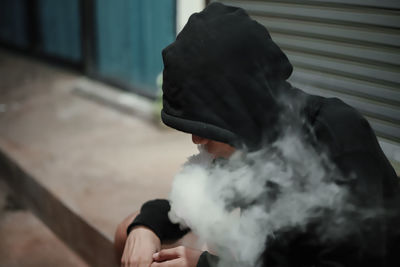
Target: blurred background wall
(339,48)
(119,42)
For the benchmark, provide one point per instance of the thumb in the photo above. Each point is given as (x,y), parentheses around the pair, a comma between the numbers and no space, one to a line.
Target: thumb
(169,254)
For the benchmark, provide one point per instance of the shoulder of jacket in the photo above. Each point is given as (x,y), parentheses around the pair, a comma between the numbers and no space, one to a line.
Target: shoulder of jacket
(342,128)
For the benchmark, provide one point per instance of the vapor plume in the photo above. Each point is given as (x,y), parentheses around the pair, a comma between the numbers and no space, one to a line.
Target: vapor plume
(236,204)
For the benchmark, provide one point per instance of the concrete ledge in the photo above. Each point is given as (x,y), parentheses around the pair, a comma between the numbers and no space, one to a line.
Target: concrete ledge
(122,101)
(79,165)
(85,240)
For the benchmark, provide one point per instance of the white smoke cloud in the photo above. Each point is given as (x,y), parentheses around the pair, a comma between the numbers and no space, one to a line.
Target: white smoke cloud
(235,204)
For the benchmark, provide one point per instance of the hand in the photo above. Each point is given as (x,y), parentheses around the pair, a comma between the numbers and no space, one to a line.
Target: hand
(140,246)
(176,257)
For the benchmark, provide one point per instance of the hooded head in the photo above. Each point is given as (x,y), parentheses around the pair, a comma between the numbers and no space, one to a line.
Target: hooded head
(222,76)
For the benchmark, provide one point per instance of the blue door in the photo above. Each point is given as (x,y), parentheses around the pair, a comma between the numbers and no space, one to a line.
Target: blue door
(13,30)
(60,29)
(130,35)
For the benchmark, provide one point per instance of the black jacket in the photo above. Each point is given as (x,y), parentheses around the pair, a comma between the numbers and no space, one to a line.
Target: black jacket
(225,79)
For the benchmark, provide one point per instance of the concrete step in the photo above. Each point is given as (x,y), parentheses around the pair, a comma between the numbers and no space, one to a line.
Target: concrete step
(80,161)
(24,237)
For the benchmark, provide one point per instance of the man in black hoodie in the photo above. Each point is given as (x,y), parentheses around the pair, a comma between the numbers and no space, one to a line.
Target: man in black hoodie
(225,83)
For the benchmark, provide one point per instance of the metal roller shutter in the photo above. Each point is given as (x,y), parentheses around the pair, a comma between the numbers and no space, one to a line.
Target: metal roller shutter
(342,48)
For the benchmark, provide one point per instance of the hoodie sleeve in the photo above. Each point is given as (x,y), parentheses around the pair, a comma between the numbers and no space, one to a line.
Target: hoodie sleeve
(154,214)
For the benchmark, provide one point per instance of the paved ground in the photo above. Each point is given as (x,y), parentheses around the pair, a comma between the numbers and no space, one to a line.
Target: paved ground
(27,242)
(102,163)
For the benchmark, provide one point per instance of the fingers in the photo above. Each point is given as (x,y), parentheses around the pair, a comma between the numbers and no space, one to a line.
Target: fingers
(169,254)
(170,263)
(177,257)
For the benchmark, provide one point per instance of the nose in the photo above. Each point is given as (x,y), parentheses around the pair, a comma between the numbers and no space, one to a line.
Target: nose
(199,140)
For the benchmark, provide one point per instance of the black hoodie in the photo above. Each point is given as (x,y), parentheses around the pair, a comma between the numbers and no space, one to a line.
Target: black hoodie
(219,82)
(225,80)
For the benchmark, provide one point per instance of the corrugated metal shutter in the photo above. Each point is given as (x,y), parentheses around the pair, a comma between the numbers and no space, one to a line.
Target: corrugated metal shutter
(343,48)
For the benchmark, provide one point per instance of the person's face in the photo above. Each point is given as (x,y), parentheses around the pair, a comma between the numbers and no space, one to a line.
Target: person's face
(218,149)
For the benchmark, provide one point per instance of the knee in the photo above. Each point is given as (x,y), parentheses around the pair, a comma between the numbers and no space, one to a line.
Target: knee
(120,233)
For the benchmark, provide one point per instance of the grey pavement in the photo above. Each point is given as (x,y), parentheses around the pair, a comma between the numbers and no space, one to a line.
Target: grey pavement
(101,161)
(26,241)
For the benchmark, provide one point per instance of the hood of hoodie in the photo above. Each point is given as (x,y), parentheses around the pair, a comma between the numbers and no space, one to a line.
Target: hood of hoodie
(222,77)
